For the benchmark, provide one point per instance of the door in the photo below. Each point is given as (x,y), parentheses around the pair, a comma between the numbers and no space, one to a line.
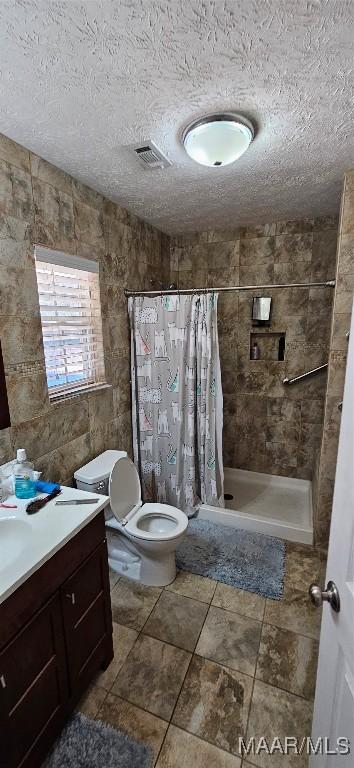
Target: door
(33,688)
(334,700)
(87,620)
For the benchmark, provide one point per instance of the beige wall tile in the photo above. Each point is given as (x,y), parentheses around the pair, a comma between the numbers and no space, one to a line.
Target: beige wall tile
(347,221)
(262,274)
(299,272)
(27,394)
(64,461)
(47,172)
(337,364)
(14,153)
(15,192)
(254,251)
(259,230)
(100,407)
(122,394)
(346,264)
(192,238)
(290,251)
(293,248)
(294,226)
(40,203)
(6,447)
(324,250)
(21,340)
(6,202)
(341,326)
(15,254)
(222,277)
(86,195)
(88,224)
(61,423)
(221,255)
(323,223)
(54,215)
(223,235)
(281,454)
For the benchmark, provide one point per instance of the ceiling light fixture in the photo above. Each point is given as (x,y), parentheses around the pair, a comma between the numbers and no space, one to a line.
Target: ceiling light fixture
(217,140)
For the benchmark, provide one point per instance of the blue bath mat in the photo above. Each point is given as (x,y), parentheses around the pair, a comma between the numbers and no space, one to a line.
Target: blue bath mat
(246,560)
(86,743)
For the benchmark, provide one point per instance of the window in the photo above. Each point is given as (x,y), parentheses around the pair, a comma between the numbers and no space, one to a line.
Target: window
(69,299)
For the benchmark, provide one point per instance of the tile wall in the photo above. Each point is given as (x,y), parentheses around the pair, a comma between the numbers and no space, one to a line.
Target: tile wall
(41,204)
(343,299)
(268,427)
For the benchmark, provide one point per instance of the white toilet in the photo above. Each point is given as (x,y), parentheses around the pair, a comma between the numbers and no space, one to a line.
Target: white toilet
(142,538)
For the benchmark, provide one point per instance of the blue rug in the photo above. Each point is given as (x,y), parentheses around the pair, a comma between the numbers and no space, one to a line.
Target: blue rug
(86,743)
(246,560)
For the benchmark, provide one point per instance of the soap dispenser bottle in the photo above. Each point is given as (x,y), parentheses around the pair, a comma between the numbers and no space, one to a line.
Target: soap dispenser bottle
(23,476)
(255,351)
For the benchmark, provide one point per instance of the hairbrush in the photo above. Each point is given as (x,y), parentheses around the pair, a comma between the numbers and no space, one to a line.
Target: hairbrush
(35,506)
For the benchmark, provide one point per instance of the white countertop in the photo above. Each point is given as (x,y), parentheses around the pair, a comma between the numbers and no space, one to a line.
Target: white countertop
(28,541)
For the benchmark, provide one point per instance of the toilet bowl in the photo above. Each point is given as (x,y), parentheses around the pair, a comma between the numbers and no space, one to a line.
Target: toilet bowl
(142,538)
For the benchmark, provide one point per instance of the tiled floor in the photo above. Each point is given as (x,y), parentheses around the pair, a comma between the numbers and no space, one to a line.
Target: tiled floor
(199,664)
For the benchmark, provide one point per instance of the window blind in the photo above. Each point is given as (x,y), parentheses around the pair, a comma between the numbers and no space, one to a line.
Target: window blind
(69,299)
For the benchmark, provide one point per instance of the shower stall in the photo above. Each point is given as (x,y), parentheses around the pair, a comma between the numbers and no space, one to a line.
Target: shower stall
(272,504)
(274,321)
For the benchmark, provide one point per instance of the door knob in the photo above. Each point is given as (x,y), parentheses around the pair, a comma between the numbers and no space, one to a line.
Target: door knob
(329,595)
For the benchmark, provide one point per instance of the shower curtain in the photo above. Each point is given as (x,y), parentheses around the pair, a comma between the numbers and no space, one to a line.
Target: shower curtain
(177,401)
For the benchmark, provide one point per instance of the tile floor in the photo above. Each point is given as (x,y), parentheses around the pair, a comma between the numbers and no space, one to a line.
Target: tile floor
(199,664)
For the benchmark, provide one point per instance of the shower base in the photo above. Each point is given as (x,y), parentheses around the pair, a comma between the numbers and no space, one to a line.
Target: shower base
(278,506)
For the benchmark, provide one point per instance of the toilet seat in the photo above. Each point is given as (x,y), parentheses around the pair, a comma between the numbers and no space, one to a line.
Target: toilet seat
(161,512)
(150,521)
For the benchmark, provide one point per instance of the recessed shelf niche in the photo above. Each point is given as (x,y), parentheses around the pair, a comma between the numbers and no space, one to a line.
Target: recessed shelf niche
(271,345)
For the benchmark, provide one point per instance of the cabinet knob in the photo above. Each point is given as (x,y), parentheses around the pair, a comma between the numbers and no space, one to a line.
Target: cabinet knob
(3,681)
(71,596)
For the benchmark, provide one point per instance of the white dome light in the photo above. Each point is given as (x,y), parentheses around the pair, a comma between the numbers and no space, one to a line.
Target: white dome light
(218,140)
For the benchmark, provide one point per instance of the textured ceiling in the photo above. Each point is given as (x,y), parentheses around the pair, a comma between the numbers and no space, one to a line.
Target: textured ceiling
(79,81)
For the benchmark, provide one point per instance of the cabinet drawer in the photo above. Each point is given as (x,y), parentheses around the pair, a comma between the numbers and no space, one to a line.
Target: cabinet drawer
(34,685)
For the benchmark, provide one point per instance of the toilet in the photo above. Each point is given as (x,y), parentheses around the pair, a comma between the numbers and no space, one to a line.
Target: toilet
(142,538)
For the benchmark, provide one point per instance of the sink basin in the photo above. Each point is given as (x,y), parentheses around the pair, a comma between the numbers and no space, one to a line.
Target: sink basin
(14,538)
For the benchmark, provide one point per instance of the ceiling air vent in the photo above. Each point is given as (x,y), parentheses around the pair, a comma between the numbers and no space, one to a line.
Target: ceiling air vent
(150,156)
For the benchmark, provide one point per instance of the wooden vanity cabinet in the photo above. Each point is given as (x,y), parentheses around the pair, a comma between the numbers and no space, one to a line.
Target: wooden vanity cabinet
(48,663)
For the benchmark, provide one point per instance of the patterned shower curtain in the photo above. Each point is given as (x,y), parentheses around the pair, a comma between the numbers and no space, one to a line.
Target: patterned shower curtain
(177,399)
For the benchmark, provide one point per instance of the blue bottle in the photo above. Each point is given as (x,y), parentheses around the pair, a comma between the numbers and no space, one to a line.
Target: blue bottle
(23,474)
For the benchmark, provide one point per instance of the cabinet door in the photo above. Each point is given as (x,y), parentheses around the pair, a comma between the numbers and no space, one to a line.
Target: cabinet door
(33,688)
(87,620)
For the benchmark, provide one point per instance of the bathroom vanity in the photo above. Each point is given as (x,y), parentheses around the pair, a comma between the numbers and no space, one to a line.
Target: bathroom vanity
(55,621)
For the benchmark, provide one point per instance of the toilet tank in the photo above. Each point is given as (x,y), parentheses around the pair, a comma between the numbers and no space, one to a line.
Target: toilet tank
(94,476)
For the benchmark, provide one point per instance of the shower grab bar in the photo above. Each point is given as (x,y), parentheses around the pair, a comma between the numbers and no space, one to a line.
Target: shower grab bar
(305,375)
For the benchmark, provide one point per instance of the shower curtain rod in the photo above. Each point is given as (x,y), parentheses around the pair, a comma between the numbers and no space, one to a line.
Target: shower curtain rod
(224,289)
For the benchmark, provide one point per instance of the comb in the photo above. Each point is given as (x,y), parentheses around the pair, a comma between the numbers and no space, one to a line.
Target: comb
(35,506)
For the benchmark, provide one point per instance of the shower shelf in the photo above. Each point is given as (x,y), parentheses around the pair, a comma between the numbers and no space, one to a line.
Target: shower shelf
(268,343)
